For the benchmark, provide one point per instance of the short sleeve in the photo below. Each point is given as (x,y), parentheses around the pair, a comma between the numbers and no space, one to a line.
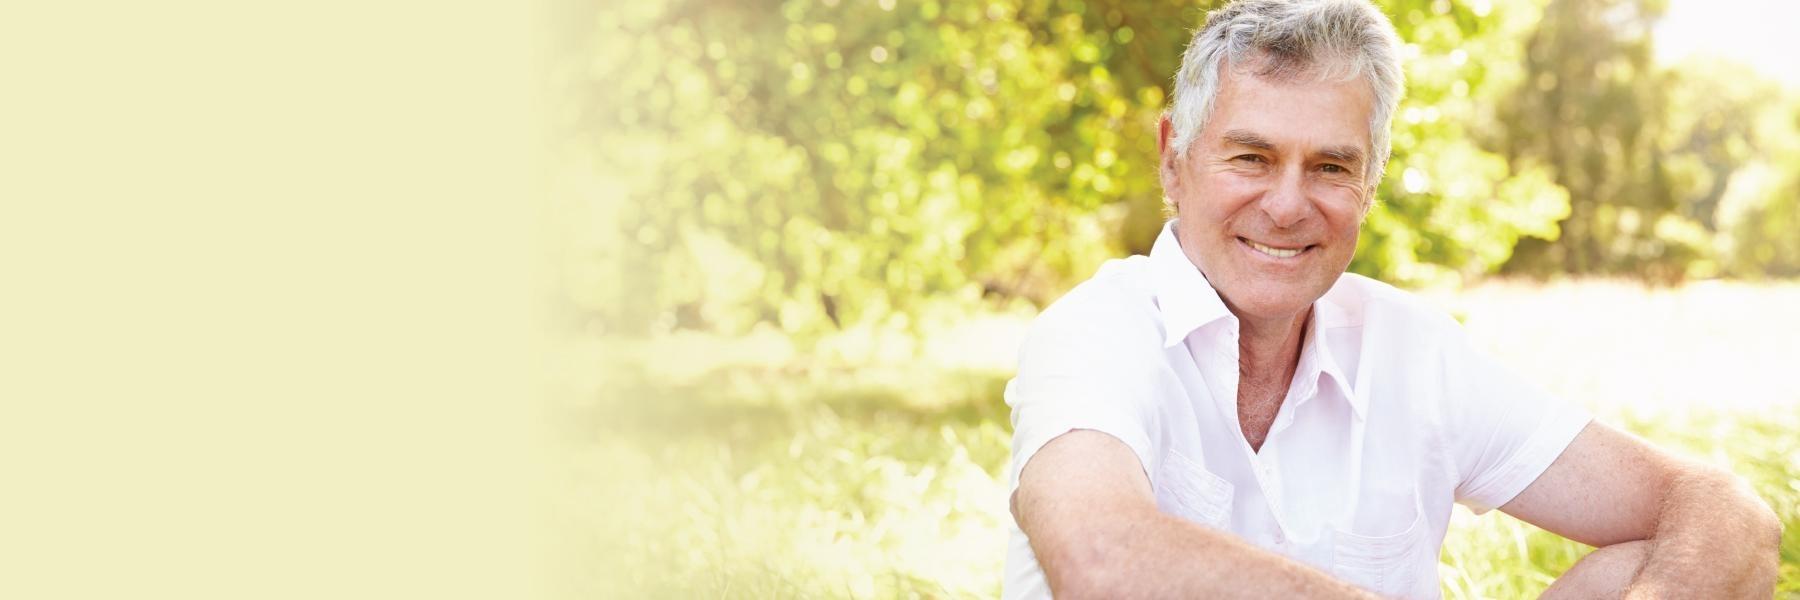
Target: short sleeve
(1504,431)
(1082,370)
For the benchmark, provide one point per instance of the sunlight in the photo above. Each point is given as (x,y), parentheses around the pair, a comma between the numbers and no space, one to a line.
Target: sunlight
(1754,32)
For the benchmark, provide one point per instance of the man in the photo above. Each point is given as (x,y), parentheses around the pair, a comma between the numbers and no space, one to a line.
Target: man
(1233,416)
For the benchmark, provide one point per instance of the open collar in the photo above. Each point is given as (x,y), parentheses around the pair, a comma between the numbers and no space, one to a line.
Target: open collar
(1317,362)
(1188,302)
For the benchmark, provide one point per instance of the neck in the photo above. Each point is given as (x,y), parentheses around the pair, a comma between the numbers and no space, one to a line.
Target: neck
(1271,347)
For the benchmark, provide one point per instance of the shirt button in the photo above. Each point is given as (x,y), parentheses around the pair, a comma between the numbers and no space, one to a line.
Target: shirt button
(1280,539)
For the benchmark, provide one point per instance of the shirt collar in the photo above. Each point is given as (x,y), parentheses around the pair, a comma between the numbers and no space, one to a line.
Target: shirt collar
(1317,362)
(1186,299)
(1188,302)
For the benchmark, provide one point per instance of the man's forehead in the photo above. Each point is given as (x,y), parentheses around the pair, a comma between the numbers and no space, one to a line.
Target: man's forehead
(1314,80)
(1260,112)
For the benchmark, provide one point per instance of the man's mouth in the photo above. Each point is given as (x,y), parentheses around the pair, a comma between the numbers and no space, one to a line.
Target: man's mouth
(1275,251)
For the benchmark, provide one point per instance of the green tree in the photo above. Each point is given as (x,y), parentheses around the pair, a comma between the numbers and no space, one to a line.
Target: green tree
(1592,109)
(1758,208)
(815,164)
(1451,208)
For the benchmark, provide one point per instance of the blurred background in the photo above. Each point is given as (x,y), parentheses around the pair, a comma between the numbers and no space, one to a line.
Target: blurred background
(796,244)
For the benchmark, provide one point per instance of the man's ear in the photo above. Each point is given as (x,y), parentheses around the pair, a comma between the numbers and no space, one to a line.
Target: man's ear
(1165,167)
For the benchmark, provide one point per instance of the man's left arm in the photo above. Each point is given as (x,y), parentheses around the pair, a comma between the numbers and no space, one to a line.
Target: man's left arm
(1663,526)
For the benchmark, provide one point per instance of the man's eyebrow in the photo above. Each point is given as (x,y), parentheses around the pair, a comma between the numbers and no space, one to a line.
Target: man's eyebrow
(1240,137)
(1247,138)
(1348,154)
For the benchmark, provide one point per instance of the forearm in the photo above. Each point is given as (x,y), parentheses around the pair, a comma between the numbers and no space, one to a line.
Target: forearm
(1714,539)
(1151,554)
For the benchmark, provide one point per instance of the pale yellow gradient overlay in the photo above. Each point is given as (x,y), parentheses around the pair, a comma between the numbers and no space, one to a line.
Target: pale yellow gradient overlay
(267,296)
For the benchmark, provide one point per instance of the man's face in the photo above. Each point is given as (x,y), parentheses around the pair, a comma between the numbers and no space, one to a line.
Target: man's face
(1272,192)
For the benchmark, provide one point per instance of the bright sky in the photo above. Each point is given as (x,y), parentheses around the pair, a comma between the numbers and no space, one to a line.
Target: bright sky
(1759,33)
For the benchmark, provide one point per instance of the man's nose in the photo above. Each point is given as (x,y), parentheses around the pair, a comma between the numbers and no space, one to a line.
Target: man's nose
(1286,204)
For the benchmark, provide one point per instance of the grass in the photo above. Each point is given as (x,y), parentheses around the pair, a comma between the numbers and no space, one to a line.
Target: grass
(771,480)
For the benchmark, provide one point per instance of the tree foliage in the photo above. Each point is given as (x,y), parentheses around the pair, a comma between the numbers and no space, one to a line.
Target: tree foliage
(815,164)
(1672,173)
(1451,208)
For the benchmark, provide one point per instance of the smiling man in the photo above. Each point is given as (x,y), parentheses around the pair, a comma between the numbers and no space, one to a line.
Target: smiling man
(1234,416)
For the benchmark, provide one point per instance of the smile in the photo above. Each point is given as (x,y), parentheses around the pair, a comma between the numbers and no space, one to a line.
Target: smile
(1275,252)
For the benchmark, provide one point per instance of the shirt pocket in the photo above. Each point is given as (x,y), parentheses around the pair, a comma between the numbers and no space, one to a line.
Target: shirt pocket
(1187,490)
(1386,564)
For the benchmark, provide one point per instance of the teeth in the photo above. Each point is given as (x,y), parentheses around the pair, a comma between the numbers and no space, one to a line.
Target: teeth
(1275,252)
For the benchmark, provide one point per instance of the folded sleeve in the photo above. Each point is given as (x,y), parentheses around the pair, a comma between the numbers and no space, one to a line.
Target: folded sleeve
(1504,431)
(1082,373)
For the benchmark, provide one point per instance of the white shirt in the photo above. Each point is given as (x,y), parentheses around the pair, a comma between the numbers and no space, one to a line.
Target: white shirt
(1391,417)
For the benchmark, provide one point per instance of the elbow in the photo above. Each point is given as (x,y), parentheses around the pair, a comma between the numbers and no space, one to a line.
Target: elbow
(1081,572)
(1077,584)
(1762,522)
(1760,525)
(1089,568)
(1745,532)
(1766,528)
(1768,524)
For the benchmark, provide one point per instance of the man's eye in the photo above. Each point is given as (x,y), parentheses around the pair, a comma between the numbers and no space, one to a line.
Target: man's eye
(1330,168)
(1248,158)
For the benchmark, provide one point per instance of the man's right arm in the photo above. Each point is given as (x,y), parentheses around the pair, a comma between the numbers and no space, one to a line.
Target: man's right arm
(1086,505)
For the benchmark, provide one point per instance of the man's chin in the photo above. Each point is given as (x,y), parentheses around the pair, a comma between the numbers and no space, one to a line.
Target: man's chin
(1271,303)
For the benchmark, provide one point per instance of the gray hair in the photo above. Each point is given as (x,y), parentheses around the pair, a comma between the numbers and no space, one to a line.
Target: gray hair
(1285,40)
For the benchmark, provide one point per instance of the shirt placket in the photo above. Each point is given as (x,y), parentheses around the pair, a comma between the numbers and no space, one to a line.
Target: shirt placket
(1265,466)
(1268,475)
(1267,463)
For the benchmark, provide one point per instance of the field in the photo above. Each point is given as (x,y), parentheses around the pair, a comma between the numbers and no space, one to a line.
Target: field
(697,467)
